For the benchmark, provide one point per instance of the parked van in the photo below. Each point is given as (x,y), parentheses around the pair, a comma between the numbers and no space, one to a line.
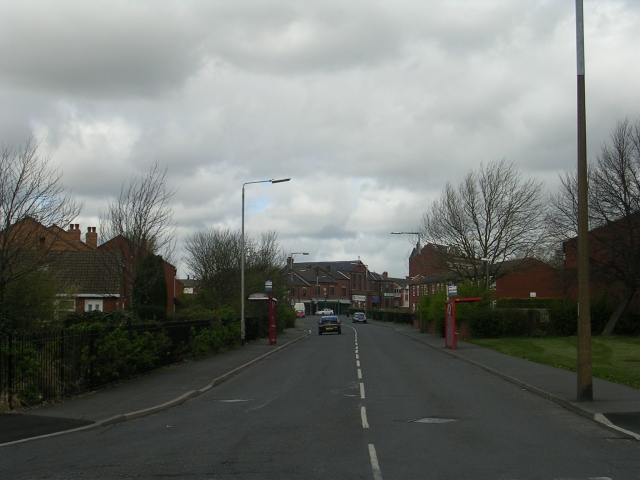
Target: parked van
(299,306)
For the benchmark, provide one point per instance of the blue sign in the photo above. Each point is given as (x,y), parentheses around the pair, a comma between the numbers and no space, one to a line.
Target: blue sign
(268,285)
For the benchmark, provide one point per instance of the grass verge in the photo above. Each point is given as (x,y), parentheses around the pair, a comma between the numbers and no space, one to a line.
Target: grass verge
(616,359)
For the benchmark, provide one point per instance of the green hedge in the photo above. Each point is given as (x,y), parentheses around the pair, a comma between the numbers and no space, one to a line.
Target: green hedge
(394,316)
(118,352)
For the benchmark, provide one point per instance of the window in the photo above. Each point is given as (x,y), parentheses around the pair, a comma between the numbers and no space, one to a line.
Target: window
(344,291)
(304,292)
(93,304)
(317,290)
(331,291)
(293,292)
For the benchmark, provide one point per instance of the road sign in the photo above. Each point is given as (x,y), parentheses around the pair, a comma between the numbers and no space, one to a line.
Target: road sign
(452,290)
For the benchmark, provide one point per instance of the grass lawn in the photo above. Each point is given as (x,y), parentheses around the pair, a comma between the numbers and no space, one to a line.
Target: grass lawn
(614,358)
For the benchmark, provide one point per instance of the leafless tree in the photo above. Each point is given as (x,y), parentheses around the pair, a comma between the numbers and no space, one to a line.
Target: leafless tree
(140,222)
(494,214)
(32,196)
(614,216)
(214,257)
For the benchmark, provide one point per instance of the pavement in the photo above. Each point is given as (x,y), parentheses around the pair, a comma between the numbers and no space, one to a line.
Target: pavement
(615,406)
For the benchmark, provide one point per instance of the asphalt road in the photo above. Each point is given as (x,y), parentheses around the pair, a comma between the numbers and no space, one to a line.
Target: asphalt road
(366,404)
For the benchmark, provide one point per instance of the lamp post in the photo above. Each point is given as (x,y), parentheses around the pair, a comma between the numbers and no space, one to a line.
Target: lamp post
(409,233)
(366,275)
(419,259)
(486,261)
(242,323)
(291,269)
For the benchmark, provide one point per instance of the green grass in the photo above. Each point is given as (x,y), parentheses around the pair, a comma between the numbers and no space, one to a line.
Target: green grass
(613,358)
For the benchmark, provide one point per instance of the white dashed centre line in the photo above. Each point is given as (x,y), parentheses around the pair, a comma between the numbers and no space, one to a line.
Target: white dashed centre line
(357,363)
(361,390)
(377,474)
(363,414)
(359,374)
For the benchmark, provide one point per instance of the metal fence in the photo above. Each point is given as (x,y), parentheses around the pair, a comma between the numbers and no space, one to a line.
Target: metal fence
(47,365)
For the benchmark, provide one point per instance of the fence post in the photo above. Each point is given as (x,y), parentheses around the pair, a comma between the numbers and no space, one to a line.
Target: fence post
(90,361)
(10,372)
(62,364)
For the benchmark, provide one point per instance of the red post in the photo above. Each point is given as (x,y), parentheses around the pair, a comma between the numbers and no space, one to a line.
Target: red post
(450,335)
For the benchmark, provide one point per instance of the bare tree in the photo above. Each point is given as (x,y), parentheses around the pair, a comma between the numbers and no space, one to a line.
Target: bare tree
(214,257)
(140,222)
(31,197)
(614,216)
(492,216)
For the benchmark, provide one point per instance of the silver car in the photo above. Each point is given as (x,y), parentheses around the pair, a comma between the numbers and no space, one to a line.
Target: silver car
(359,317)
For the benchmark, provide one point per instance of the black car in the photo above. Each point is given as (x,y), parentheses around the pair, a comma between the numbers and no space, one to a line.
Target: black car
(359,317)
(329,323)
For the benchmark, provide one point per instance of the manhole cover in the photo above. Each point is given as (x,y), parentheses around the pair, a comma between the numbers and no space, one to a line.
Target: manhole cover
(433,420)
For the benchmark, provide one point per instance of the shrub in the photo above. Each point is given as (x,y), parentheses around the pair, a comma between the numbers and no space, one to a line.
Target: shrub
(488,323)
(117,352)
(112,319)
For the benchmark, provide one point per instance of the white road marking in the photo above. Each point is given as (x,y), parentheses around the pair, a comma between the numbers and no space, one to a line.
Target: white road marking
(357,363)
(361,390)
(359,374)
(357,356)
(377,474)
(363,414)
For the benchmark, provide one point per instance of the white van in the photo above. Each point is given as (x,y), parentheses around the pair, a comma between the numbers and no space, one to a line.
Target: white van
(299,306)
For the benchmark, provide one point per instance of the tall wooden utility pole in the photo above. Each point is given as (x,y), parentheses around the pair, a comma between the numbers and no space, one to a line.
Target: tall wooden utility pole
(585,379)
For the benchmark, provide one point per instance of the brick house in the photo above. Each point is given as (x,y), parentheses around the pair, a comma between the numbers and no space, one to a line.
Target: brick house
(522,278)
(92,270)
(338,284)
(614,262)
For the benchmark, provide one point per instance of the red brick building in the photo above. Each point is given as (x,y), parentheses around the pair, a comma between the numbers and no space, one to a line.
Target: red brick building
(94,271)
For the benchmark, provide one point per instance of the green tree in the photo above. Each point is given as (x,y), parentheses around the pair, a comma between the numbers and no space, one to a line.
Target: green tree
(149,295)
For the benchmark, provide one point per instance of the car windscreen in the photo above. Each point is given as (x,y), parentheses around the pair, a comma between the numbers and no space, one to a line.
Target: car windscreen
(329,319)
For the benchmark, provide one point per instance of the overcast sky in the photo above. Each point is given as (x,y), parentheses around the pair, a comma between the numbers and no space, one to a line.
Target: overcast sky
(369,106)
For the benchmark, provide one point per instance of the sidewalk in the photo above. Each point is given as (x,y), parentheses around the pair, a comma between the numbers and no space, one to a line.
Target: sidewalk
(615,406)
(141,395)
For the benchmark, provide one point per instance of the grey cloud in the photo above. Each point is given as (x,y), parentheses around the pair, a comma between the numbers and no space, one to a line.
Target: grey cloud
(96,49)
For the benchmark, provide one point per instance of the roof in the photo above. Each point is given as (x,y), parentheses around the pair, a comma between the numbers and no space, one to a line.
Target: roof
(189,282)
(91,272)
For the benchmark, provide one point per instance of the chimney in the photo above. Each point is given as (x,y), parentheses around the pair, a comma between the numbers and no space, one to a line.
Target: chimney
(91,237)
(328,268)
(74,231)
(385,275)
(289,263)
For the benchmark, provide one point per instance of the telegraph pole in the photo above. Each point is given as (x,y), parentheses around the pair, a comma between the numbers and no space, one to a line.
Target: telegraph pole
(584,370)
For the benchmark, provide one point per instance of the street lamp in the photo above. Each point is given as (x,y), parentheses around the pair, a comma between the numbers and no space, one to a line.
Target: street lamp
(291,268)
(486,260)
(409,233)
(242,324)
(366,277)
(419,259)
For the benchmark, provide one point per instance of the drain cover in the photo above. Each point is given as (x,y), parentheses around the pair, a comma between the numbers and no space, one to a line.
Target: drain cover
(433,420)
